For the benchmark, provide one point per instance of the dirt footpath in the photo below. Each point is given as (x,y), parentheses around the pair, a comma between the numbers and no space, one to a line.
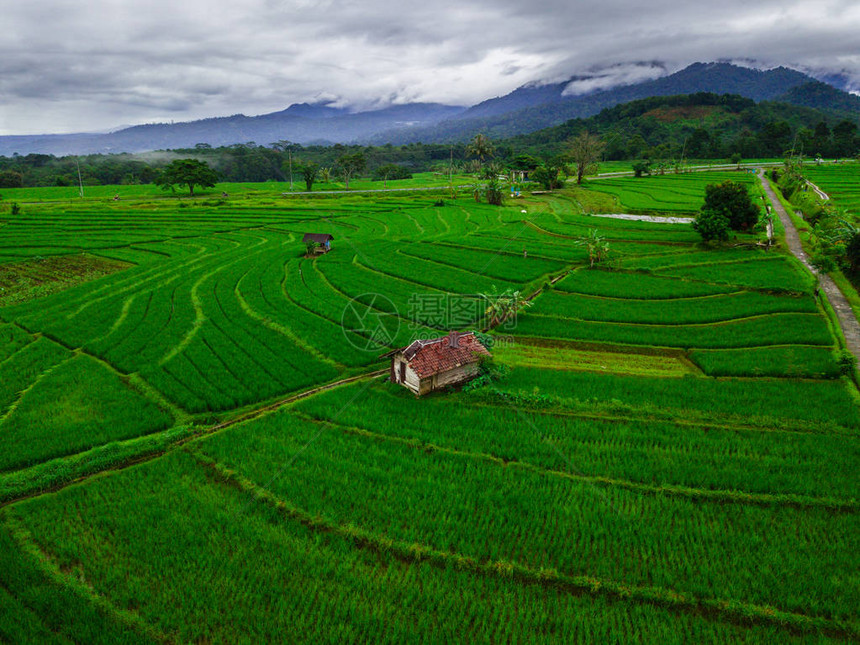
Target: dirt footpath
(847,320)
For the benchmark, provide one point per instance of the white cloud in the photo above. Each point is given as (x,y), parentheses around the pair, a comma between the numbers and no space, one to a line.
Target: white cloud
(68,66)
(613,76)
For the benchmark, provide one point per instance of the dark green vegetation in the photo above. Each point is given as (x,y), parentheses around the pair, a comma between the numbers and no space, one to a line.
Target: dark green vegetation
(672,457)
(830,226)
(666,131)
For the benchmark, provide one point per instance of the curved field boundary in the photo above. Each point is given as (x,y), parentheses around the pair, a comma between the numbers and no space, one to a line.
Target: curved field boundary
(158,444)
(278,327)
(721,609)
(46,566)
(706,309)
(720,496)
(544,231)
(738,332)
(709,420)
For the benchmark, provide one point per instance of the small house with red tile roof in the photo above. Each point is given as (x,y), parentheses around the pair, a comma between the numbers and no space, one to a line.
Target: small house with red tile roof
(432,364)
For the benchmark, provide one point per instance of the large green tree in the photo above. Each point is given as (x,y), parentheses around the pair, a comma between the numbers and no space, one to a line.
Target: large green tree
(731,200)
(309,171)
(349,165)
(585,151)
(186,172)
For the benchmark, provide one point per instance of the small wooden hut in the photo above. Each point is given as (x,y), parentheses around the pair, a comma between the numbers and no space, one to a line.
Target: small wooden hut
(321,240)
(427,365)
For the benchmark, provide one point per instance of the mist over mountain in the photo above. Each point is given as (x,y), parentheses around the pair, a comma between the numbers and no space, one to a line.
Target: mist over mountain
(529,108)
(553,104)
(300,123)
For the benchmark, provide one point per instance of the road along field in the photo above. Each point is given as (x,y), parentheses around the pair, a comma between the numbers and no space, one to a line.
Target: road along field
(671,457)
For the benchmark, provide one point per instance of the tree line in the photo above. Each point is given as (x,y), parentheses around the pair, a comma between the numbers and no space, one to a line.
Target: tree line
(664,130)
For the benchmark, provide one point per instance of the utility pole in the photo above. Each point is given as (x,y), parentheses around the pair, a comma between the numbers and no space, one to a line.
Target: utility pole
(684,155)
(80,181)
(291,169)
(451,172)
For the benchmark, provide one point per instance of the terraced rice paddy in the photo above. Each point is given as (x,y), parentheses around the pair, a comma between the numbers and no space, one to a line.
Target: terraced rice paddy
(840,182)
(672,457)
(669,194)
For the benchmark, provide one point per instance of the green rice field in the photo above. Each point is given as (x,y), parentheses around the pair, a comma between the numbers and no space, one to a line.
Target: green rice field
(200,442)
(840,182)
(670,194)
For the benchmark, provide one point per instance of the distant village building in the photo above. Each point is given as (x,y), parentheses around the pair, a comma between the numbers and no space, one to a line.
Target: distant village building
(322,241)
(433,364)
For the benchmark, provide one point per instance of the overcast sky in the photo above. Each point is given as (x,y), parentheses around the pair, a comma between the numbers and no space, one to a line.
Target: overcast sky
(68,66)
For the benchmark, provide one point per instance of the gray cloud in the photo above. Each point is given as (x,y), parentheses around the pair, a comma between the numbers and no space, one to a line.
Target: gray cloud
(67,66)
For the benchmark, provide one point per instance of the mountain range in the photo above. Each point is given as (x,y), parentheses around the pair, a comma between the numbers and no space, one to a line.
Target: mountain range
(529,108)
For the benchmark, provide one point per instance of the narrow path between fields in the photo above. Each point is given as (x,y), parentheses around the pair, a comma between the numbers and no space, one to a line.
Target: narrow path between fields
(205,431)
(847,320)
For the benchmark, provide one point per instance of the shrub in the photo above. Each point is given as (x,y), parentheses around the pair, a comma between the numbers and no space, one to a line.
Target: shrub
(494,192)
(489,372)
(548,178)
(846,362)
(642,167)
(712,225)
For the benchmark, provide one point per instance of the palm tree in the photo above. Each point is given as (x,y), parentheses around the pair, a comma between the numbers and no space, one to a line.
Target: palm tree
(481,147)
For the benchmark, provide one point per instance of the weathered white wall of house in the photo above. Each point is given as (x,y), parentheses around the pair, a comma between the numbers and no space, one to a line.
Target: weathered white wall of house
(456,375)
(412,380)
(424,386)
